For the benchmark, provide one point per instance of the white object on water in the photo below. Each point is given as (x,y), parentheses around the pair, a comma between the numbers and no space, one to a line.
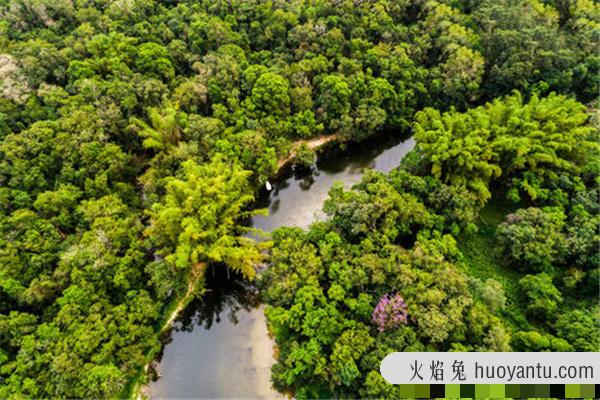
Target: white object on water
(268,186)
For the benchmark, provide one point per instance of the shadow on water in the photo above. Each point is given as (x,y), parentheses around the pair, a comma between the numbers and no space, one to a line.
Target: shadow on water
(220,347)
(355,157)
(382,153)
(219,337)
(298,195)
(227,294)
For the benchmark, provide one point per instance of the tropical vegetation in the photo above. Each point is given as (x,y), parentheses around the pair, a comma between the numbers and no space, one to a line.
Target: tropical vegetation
(134,135)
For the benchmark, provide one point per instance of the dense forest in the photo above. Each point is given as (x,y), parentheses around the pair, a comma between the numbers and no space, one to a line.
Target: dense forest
(135,134)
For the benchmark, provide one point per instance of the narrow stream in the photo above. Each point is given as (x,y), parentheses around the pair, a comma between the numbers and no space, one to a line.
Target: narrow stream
(219,347)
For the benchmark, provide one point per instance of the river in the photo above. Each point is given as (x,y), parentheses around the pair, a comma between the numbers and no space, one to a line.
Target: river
(219,347)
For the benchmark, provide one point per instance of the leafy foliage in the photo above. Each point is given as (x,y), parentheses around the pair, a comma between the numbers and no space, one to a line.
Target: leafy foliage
(196,221)
(396,234)
(323,294)
(133,136)
(505,138)
(533,238)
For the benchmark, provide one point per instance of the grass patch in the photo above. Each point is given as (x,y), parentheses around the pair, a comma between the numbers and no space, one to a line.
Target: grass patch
(483,259)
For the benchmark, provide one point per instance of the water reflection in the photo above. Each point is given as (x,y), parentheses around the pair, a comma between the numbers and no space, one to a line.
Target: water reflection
(297,200)
(226,296)
(220,348)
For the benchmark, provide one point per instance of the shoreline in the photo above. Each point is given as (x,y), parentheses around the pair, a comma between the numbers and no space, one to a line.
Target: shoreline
(196,275)
(316,144)
(139,387)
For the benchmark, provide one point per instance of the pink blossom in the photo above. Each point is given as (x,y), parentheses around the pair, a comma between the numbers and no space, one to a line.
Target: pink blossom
(390,312)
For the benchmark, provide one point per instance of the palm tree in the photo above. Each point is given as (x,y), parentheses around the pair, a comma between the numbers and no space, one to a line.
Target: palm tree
(165,127)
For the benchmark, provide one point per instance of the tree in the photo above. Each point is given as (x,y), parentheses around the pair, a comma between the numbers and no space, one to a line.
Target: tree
(347,350)
(376,209)
(528,144)
(390,312)
(580,329)
(334,99)
(196,220)
(583,240)
(542,296)
(270,95)
(58,206)
(525,48)
(535,341)
(29,249)
(152,59)
(456,150)
(534,238)
(462,74)
(305,156)
(491,292)
(452,49)
(164,130)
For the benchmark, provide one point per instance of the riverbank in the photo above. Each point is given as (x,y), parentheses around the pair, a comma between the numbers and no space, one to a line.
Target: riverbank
(224,335)
(313,144)
(195,278)
(139,387)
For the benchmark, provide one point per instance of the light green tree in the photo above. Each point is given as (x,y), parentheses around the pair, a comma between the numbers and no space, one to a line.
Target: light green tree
(197,220)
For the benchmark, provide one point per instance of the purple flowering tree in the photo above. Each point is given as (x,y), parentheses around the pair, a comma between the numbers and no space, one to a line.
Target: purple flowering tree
(390,312)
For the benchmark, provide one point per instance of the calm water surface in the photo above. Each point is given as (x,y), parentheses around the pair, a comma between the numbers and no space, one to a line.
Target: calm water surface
(220,347)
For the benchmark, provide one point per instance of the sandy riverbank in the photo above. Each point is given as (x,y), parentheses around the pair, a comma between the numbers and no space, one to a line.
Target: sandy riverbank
(313,144)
